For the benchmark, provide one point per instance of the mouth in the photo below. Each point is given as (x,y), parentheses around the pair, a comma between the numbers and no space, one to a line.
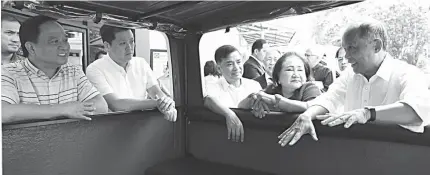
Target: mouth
(62,54)
(235,73)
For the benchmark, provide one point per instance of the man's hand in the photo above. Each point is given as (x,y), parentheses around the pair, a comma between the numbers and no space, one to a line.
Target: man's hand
(349,118)
(234,128)
(302,125)
(78,110)
(165,103)
(171,115)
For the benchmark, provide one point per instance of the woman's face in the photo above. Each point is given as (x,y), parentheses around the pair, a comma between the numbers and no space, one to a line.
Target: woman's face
(292,74)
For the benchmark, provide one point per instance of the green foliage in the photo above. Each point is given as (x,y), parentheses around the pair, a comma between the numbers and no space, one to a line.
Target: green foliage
(407,24)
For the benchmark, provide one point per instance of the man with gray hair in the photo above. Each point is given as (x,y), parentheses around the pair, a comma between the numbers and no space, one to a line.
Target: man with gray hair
(379,88)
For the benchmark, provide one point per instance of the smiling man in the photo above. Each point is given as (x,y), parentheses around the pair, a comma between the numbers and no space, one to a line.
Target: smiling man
(231,90)
(126,81)
(9,39)
(378,88)
(45,86)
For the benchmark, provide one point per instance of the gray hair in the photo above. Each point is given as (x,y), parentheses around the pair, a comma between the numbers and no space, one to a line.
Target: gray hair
(371,29)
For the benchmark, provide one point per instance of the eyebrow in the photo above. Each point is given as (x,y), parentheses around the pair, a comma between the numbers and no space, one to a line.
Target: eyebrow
(8,30)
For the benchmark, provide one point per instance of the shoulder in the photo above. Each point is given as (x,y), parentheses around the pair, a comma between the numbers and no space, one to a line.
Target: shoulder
(13,66)
(14,69)
(250,83)
(97,64)
(140,63)
(250,61)
(402,67)
(139,60)
(309,86)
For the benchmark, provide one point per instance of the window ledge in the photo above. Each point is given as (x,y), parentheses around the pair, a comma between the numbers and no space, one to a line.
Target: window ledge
(279,121)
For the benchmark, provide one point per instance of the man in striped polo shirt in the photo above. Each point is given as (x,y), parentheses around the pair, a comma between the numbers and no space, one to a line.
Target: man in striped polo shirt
(45,86)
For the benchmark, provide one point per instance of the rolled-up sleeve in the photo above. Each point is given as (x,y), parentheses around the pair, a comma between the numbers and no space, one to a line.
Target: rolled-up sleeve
(9,90)
(335,96)
(96,77)
(86,90)
(150,78)
(414,93)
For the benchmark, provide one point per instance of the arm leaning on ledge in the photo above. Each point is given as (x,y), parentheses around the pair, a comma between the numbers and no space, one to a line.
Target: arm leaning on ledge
(234,125)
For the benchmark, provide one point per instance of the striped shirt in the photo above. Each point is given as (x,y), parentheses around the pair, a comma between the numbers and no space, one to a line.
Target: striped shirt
(22,82)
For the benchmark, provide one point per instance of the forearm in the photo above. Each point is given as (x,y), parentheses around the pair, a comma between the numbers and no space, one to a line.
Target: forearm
(132,104)
(215,106)
(100,104)
(313,111)
(397,113)
(19,112)
(288,105)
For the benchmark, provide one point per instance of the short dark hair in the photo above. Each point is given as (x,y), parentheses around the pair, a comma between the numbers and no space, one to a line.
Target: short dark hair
(30,30)
(338,50)
(99,53)
(211,69)
(278,67)
(223,52)
(108,32)
(7,17)
(258,44)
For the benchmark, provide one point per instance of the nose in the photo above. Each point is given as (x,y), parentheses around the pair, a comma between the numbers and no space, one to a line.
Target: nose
(295,73)
(15,38)
(65,45)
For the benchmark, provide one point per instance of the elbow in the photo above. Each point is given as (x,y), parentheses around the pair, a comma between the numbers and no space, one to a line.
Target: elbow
(6,115)
(102,107)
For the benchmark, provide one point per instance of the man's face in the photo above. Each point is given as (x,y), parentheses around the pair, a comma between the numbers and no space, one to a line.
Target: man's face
(10,36)
(269,61)
(122,47)
(232,67)
(260,54)
(360,52)
(312,57)
(343,63)
(52,46)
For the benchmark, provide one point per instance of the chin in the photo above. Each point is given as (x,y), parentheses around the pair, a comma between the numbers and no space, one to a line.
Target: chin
(62,61)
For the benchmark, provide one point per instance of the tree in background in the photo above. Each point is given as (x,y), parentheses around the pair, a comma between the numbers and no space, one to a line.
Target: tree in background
(407,23)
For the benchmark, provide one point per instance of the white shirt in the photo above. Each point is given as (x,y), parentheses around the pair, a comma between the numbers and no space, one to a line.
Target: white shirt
(395,81)
(230,95)
(108,77)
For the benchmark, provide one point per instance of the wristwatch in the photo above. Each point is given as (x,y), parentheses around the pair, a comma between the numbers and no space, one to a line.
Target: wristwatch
(372,113)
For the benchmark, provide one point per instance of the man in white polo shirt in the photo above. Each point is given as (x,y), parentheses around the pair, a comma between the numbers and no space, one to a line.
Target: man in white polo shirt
(126,81)
(231,90)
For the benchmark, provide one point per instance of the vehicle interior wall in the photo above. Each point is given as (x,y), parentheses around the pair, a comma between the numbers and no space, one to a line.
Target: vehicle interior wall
(109,144)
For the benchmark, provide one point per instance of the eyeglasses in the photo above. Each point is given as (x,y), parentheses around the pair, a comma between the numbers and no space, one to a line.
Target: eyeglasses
(308,55)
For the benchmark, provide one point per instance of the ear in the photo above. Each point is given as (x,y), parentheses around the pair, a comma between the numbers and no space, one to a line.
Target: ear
(378,45)
(30,48)
(106,46)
